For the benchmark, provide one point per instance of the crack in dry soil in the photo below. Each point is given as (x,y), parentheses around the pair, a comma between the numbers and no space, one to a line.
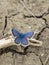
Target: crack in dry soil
(5,24)
(41,16)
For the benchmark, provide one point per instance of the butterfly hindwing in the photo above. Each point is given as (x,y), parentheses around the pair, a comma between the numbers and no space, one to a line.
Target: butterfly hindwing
(15,32)
(28,34)
(24,41)
(17,40)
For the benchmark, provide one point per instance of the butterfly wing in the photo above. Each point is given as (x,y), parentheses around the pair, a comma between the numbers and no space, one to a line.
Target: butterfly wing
(17,41)
(15,32)
(28,34)
(24,42)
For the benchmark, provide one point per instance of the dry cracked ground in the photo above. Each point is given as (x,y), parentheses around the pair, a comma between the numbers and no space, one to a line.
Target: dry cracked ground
(25,15)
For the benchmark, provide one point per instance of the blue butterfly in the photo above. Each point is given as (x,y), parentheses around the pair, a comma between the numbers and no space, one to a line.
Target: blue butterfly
(21,38)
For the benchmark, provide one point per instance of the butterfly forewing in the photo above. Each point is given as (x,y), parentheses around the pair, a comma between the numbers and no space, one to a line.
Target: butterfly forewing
(28,34)
(15,32)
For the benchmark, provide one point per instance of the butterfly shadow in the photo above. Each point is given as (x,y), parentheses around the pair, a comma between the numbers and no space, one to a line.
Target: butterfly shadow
(13,50)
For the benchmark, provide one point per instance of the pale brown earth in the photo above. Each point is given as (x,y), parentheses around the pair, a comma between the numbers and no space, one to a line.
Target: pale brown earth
(25,15)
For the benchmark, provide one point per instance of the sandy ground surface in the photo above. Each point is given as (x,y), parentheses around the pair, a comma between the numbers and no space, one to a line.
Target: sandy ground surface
(25,15)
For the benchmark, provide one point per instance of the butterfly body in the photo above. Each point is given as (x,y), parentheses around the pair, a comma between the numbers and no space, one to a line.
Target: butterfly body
(21,38)
(21,35)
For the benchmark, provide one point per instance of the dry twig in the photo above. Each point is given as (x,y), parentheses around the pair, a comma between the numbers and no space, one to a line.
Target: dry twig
(9,41)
